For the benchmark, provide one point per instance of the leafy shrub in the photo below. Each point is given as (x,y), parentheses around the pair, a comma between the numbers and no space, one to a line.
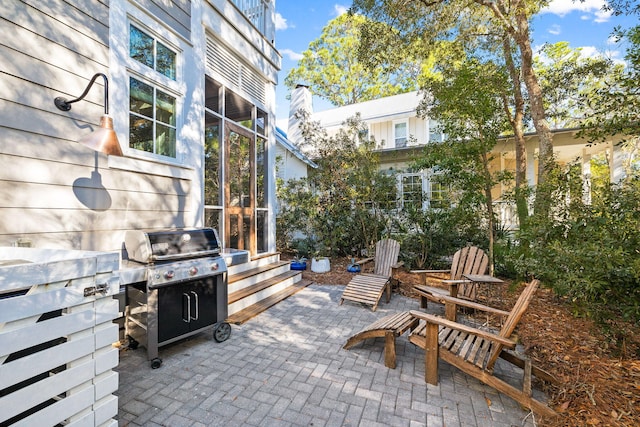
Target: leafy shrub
(589,253)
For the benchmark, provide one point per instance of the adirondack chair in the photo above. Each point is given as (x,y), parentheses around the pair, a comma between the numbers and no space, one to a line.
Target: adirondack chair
(367,288)
(468,260)
(475,351)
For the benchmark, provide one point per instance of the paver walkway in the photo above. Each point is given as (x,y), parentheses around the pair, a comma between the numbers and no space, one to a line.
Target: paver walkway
(286,367)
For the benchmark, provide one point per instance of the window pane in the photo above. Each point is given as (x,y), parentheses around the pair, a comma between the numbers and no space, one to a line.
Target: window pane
(165,140)
(412,191)
(400,135)
(140,46)
(261,122)
(166,61)
(140,133)
(261,231)
(212,95)
(438,199)
(166,108)
(212,219)
(238,109)
(261,167)
(211,160)
(239,170)
(141,98)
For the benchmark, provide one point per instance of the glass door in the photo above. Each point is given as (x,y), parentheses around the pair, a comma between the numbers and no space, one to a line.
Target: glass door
(240,179)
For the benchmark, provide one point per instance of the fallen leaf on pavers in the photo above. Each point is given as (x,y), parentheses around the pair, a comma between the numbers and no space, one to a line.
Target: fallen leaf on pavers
(488,401)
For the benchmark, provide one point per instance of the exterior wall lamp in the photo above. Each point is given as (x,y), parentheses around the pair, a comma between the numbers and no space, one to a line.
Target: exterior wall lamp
(103,139)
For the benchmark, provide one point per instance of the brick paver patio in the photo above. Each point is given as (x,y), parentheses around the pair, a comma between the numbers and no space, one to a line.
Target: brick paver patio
(286,367)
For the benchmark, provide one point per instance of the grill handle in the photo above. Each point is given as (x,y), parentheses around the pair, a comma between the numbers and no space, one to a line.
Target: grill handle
(188,299)
(197,304)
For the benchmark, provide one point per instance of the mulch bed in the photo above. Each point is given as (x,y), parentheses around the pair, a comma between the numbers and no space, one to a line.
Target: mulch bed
(597,387)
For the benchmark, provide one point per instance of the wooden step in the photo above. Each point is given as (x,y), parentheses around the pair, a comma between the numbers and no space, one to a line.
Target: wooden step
(253,271)
(250,290)
(245,314)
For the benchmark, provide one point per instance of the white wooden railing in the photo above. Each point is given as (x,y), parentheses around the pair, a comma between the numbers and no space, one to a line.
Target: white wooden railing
(260,14)
(56,336)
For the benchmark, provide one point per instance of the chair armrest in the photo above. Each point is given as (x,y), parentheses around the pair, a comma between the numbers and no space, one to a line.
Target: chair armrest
(456,281)
(429,271)
(446,299)
(398,264)
(430,318)
(363,261)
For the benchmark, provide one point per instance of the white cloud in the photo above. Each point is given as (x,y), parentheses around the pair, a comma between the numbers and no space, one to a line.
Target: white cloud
(593,9)
(294,56)
(555,30)
(340,9)
(281,23)
(603,16)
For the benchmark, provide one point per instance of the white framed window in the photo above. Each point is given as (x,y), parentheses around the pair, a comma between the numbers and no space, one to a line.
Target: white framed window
(411,190)
(418,190)
(155,91)
(438,195)
(434,131)
(151,52)
(152,119)
(400,133)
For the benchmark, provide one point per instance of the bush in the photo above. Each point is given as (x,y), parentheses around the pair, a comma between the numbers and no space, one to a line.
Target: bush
(590,252)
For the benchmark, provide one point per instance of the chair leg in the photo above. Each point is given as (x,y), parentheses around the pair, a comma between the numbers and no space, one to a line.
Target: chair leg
(423,301)
(431,354)
(390,349)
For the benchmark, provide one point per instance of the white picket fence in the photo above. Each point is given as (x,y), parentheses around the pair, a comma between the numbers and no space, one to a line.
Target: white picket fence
(56,336)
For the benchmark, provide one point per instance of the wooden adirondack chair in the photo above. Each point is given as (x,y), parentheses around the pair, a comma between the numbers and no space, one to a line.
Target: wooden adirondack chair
(475,351)
(468,260)
(367,288)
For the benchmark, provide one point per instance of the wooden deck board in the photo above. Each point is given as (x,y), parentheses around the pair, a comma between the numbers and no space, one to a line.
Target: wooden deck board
(245,314)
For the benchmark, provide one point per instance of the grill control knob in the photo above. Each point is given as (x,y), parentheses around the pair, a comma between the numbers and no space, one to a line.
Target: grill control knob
(169,274)
(215,266)
(193,271)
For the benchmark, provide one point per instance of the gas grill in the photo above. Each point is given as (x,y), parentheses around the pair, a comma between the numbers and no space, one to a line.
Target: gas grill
(185,291)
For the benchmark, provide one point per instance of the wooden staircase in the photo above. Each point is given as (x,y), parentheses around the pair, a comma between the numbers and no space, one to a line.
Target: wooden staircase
(258,284)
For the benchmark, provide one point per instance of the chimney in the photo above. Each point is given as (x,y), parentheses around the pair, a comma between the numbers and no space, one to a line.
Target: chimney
(300,102)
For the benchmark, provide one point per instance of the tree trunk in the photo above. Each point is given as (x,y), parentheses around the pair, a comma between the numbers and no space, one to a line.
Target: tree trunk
(545,156)
(522,206)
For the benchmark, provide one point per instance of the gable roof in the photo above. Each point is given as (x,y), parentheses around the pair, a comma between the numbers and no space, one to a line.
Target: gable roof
(381,109)
(281,138)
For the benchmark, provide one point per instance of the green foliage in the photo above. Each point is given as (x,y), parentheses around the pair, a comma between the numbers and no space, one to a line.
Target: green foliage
(428,237)
(332,70)
(341,208)
(568,79)
(615,107)
(589,252)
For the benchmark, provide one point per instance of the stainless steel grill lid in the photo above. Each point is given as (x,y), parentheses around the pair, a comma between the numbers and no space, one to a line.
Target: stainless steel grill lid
(148,246)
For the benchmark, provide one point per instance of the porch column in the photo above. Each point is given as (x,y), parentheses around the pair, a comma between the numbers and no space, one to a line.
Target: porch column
(586,177)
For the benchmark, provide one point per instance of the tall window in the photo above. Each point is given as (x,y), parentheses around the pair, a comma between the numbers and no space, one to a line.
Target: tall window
(236,135)
(400,133)
(411,191)
(153,108)
(434,131)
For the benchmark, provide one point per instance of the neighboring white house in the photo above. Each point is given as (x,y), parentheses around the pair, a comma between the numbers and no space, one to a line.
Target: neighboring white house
(291,163)
(191,92)
(394,124)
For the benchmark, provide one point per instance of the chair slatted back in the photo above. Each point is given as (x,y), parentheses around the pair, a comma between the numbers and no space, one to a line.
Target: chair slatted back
(387,252)
(468,260)
(514,317)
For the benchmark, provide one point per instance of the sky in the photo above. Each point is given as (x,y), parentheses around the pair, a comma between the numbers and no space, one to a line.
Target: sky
(582,24)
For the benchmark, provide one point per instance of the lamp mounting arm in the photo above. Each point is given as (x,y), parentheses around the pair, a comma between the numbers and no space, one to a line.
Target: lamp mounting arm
(65,105)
